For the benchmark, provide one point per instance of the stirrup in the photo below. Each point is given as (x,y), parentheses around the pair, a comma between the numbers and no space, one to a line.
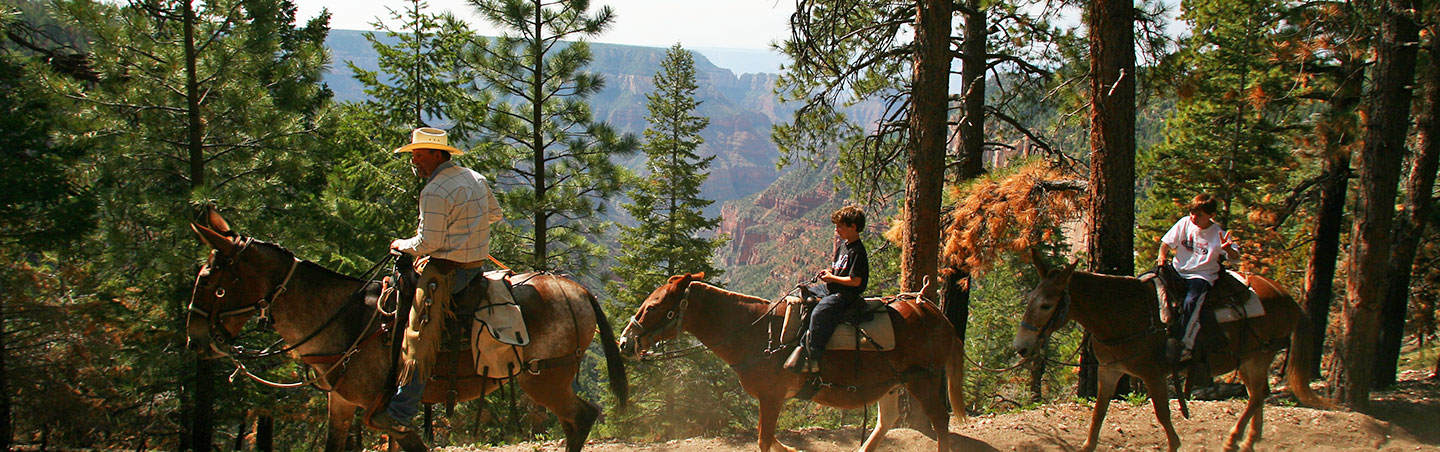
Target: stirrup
(383,421)
(800,362)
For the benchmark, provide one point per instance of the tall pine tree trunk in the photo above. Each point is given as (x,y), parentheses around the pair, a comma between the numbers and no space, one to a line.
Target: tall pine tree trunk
(201,419)
(972,93)
(5,432)
(1324,253)
(1110,237)
(542,215)
(1329,220)
(1387,124)
(1409,227)
(265,432)
(925,175)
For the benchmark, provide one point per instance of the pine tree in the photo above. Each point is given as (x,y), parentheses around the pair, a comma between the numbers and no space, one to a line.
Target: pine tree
(1386,128)
(665,241)
(421,81)
(196,102)
(1224,137)
(541,124)
(666,204)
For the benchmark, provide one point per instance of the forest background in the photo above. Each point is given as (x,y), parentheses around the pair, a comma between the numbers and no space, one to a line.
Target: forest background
(1313,121)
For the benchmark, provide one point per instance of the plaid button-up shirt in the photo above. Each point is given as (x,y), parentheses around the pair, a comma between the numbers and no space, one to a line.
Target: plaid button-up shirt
(456,209)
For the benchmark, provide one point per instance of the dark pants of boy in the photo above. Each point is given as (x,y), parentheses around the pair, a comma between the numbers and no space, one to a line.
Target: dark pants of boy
(825,318)
(1196,288)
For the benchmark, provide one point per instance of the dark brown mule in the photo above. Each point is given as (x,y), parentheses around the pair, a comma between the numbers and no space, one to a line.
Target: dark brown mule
(1122,315)
(735,326)
(245,277)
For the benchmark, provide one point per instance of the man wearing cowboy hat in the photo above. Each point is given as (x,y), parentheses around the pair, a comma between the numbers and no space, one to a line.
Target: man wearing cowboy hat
(456,210)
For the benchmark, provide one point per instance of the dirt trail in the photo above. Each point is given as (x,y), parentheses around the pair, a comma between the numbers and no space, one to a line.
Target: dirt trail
(1404,419)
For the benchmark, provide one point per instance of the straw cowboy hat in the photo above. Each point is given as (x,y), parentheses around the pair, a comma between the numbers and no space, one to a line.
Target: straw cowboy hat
(429,138)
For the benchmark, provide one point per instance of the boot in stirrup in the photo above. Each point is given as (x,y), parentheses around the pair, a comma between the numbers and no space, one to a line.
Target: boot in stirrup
(800,362)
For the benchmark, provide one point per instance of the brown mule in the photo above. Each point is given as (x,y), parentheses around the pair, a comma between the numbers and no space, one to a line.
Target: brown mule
(735,327)
(1122,315)
(337,333)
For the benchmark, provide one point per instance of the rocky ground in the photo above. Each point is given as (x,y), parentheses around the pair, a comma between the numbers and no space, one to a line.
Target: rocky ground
(1404,419)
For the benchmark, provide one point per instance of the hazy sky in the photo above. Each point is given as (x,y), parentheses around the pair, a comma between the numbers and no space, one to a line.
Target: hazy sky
(738,24)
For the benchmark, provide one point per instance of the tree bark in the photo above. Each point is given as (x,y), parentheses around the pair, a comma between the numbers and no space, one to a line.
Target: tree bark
(541,215)
(1409,226)
(1110,232)
(972,93)
(1387,124)
(6,435)
(925,175)
(1324,253)
(1329,220)
(265,432)
(956,299)
(202,416)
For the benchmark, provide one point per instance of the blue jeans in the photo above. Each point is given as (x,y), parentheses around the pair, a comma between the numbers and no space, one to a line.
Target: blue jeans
(407,398)
(826,316)
(1196,288)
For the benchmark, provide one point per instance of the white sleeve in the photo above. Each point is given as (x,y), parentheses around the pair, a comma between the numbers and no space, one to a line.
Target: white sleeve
(430,234)
(1175,234)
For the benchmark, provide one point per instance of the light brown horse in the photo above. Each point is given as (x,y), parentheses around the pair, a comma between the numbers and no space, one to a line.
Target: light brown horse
(735,327)
(1122,315)
(331,322)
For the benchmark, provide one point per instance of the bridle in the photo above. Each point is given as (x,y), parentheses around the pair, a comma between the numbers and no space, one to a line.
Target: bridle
(673,319)
(217,331)
(1057,317)
(220,336)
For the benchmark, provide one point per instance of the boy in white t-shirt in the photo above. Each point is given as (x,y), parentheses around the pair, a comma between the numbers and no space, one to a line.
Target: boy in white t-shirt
(1196,241)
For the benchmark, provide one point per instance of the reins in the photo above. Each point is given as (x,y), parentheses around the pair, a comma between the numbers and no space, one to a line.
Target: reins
(237,353)
(675,320)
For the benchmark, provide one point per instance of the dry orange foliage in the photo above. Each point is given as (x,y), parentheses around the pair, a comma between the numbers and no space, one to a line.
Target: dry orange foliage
(1007,214)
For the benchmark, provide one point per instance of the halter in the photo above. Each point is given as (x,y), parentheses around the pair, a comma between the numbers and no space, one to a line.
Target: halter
(673,321)
(219,336)
(1056,318)
(673,318)
(262,305)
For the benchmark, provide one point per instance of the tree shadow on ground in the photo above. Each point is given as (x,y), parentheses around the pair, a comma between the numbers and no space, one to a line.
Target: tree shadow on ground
(1413,405)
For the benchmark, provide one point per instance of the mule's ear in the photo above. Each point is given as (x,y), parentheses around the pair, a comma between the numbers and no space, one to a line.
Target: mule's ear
(214,239)
(1039,262)
(1069,270)
(696,276)
(215,221)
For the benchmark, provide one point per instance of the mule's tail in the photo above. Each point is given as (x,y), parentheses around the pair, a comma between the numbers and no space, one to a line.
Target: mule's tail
(614,365)
(1298,365)
(955,376)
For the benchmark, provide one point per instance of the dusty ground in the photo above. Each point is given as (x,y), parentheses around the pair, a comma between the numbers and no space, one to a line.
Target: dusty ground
(1405,419)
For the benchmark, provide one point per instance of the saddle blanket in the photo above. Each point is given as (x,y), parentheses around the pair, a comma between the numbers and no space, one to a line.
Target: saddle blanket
(1251,308)
(879,333)
(498,332)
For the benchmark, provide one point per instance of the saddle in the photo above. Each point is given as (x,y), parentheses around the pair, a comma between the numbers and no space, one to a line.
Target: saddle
(443,327)
(1228,300)
(489,325)
(866,326)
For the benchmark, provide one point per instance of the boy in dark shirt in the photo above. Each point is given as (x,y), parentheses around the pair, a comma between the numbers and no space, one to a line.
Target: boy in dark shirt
(844,282)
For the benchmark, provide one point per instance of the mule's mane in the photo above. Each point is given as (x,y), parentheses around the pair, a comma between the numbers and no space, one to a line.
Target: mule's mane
(739,297)
(306,262)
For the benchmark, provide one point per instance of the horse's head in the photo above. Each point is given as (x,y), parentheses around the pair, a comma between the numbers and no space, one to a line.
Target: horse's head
(1046,307)
(659,317)
(238,282)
